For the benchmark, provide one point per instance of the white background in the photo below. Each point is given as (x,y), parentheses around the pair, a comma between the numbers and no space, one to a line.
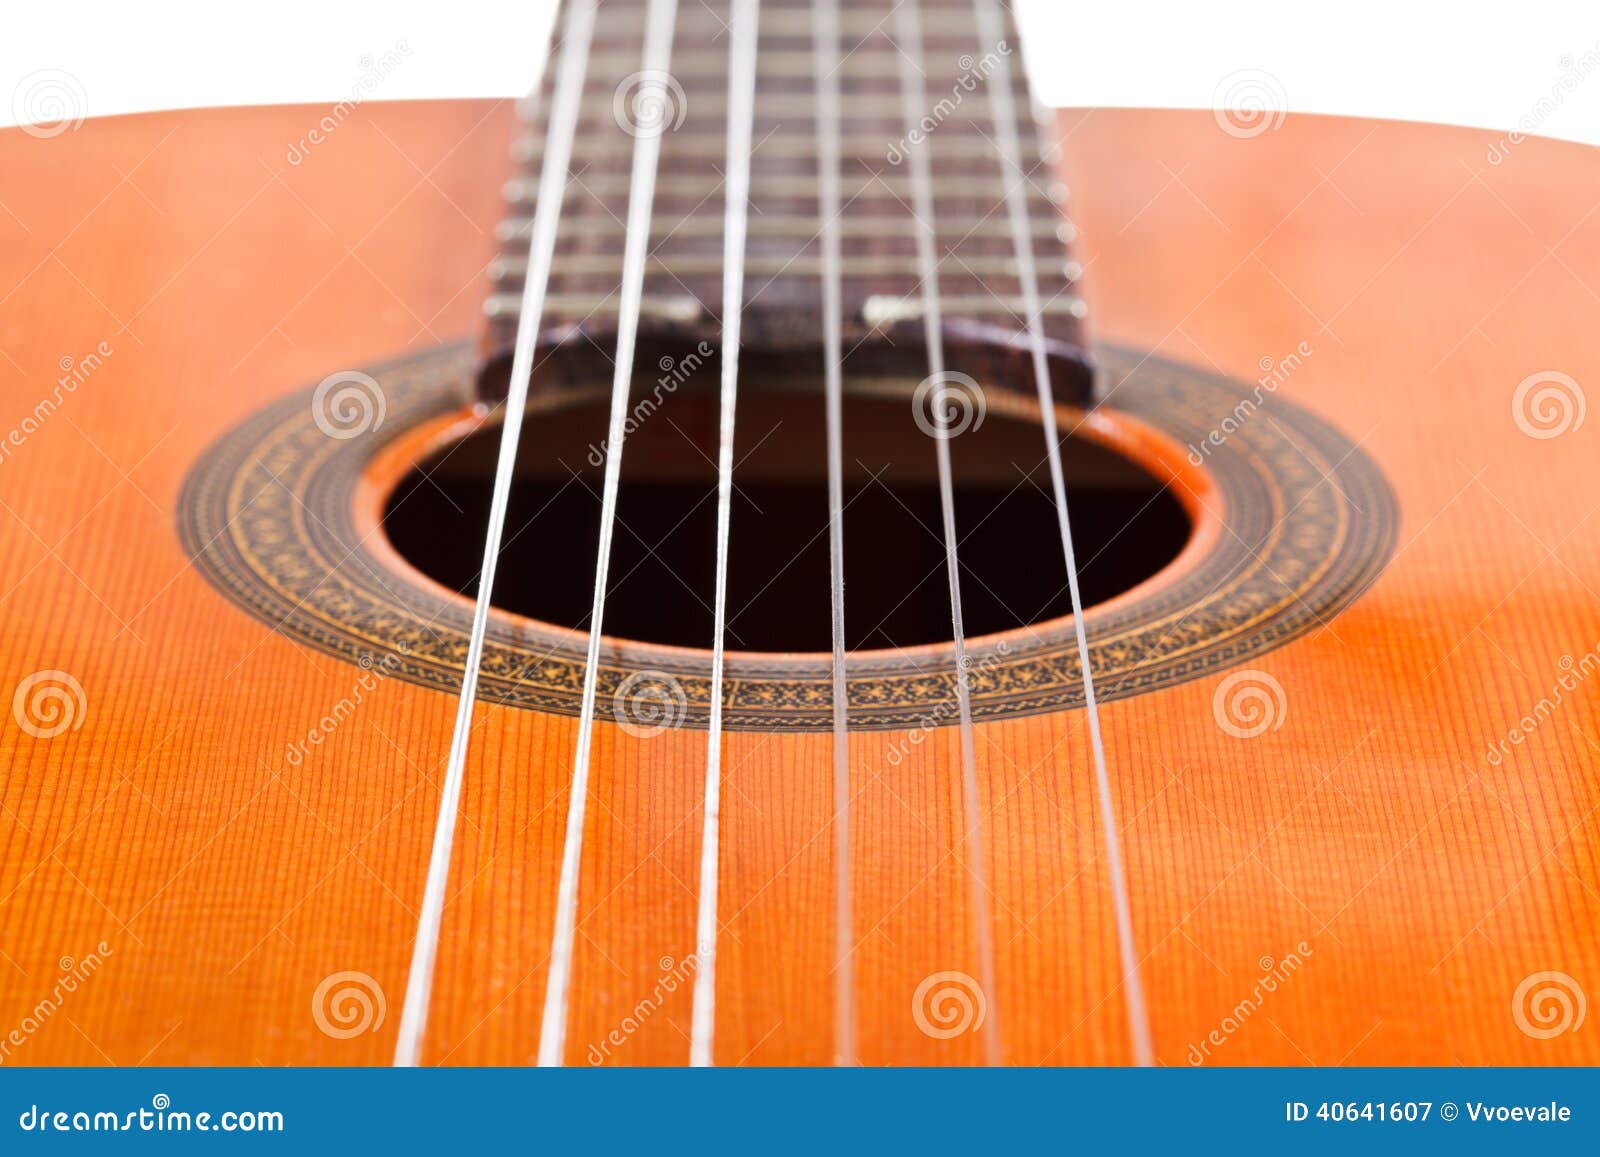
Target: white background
(1488,65)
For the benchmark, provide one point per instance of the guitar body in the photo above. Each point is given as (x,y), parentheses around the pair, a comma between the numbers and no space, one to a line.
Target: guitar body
(236,822)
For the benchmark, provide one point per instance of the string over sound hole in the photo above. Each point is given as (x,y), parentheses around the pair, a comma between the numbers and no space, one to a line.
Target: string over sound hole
(1012,570)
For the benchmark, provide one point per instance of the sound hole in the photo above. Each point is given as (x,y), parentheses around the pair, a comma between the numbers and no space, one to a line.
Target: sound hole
(1126,525)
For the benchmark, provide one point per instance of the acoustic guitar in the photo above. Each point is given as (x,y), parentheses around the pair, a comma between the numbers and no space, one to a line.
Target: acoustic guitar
(728,562)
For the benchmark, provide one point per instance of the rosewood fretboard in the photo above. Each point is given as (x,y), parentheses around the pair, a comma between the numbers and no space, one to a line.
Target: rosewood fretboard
(977,273)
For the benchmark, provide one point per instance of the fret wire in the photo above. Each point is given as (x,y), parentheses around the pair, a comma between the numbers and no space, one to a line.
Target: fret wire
(796,23)
(909,35)
(780,225)
(1010,158)
(799,265)
(784,63)
(541,248)
(877,310)
(798,106)
(686,145)
(868,186)
(657,58)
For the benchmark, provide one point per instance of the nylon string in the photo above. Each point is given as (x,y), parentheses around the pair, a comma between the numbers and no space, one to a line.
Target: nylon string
(657,58)
(576,35)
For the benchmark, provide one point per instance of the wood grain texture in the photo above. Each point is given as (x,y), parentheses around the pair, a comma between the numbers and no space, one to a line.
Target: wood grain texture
(228,880)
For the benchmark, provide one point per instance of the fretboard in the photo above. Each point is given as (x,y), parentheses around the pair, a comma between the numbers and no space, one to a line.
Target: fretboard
(980,293)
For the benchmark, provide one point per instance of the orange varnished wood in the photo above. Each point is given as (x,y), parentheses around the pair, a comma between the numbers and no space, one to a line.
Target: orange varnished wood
(229,881)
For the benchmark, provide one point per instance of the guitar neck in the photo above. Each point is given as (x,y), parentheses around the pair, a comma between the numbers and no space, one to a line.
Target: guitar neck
(980,291)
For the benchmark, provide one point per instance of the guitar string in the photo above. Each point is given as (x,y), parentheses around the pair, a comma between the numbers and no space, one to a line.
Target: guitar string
(991,32)
(908,33)
(657,58)
(825,56)
(575,39)
(741,118)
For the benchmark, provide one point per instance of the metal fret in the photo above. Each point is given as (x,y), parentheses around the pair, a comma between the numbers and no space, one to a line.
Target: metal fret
(954,21)
(681,309)
(707,264)
(887,309)
(880,310)
(793,225)
(522,191)
(525,150)
(799,107)
(776,63)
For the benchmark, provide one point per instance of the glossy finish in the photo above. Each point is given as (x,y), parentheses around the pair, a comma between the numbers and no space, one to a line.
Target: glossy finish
(232,864)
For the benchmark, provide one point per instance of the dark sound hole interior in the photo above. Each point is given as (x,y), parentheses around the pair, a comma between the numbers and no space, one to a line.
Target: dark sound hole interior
(1126,526)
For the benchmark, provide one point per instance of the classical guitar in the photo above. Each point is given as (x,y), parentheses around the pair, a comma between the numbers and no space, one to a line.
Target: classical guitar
(726,562)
